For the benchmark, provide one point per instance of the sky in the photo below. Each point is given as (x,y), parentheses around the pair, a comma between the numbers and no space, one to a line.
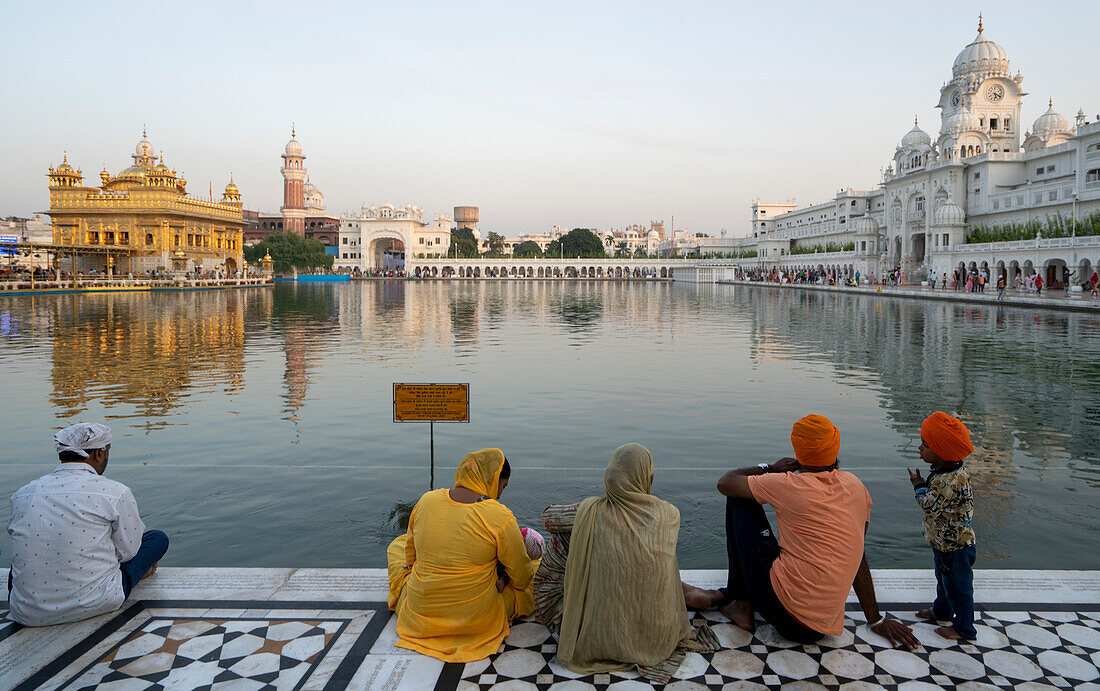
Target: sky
(585,114)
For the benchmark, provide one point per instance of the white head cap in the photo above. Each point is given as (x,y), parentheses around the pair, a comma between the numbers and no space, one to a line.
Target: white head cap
(82,437)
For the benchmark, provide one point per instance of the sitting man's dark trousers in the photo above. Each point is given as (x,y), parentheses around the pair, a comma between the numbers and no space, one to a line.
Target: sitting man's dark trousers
(752,547)
(154,544)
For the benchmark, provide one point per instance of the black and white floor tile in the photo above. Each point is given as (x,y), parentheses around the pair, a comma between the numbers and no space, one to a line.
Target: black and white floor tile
(219,645)
(1014,649)
(258,644)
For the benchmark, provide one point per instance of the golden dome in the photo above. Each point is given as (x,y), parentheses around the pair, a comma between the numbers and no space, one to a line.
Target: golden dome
(65,167)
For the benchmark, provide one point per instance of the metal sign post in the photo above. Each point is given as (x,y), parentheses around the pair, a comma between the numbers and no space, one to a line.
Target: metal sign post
(431,403)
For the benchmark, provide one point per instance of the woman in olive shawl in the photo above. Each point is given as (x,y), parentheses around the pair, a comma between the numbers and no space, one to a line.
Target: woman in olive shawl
(623,599)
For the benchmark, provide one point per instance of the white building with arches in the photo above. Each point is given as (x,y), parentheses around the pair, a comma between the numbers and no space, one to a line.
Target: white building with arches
(984,167)
(382,238)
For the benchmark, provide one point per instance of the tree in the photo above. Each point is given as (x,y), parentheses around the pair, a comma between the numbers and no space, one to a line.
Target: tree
(621,249)
(463,244)
(290,250)
(579,242)
(527,249)
(495,243)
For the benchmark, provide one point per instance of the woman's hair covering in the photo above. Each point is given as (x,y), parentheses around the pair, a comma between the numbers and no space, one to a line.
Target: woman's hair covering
(947,436)
(480,472)
(624,604)
(816,441)
(81,438)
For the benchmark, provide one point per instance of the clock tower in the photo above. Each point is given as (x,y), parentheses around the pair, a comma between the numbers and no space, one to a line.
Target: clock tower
(980,106)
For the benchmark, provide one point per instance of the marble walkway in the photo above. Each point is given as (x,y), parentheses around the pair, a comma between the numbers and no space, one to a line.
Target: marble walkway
(1076,302)
(197,628)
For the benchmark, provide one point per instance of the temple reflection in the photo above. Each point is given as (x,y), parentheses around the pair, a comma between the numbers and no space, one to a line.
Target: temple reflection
(141,356)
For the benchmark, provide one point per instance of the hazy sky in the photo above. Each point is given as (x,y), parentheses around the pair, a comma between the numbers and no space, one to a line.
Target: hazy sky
(578,114)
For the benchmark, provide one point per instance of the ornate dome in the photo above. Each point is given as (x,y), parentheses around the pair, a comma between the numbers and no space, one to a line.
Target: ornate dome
(915,137)
(144,148)
(963,121)
(1050,123)
(65,168)
(949,214)
(981,57)
(865,225)
(293,148)
(231,188)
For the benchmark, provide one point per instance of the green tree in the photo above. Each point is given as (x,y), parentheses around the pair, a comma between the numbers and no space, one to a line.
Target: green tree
(463,244)
(289,250)
(495,243)
(527,249)
(579,242)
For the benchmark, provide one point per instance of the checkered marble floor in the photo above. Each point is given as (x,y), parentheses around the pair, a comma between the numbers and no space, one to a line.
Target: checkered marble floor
(236,645)
(317,629)
(1015,649)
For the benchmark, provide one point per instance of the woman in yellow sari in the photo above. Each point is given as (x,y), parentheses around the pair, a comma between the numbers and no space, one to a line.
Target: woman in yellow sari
(444,583)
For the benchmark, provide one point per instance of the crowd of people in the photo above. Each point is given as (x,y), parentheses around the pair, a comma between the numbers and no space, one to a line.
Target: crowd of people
(971,281)
(607,582)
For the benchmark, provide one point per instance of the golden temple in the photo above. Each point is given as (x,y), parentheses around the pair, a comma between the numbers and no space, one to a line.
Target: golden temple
(143,220)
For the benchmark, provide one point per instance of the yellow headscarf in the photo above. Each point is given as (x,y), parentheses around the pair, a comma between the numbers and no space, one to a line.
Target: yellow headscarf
(480,472)
(623,602)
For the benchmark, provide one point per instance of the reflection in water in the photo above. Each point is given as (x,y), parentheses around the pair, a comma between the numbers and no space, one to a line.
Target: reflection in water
(141,353)
(262,419)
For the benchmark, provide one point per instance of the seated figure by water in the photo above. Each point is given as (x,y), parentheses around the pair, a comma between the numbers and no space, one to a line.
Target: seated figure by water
(78,544)
(799,583)
(450,601)
(613,593)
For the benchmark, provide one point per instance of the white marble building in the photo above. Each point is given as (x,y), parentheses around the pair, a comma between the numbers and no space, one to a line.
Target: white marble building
(984,167)
(381,238)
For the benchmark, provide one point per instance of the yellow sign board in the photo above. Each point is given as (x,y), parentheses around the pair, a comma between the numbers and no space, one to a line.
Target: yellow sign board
(431,402)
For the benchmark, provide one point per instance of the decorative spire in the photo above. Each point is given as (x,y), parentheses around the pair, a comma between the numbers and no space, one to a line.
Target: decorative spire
(292,134)
(1050,103)
(914,121)
(143,134)
(980,27)
(65,156)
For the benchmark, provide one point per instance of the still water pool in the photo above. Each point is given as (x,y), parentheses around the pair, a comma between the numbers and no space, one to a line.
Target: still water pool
(255,426)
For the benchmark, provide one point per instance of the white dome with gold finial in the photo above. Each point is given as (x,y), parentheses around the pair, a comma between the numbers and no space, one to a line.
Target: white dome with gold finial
(1051,123)
(915,137)
(981,57)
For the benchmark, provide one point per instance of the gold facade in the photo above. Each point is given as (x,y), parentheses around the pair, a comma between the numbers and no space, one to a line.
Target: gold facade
(146,214)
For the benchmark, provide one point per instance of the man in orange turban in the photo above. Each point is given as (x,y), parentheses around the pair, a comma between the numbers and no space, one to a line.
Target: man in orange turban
(947,501)
(816,441)
(801,585)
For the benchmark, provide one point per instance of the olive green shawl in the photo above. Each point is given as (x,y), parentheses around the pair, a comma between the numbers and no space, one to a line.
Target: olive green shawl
(624,604)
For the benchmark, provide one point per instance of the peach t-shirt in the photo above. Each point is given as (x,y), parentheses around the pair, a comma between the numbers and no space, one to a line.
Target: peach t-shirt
(821,520)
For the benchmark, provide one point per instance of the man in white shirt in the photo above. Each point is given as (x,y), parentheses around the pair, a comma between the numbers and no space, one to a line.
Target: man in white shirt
(78,544)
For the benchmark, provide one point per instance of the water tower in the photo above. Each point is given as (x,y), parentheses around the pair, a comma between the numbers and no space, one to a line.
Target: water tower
(466,217)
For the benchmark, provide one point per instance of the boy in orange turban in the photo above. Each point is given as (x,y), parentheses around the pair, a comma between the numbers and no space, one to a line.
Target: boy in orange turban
(948,504)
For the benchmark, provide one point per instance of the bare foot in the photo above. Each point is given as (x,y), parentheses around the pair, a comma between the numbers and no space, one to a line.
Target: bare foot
(700,600)
(150,572)
(949,633)
(740,613)
(926,615)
